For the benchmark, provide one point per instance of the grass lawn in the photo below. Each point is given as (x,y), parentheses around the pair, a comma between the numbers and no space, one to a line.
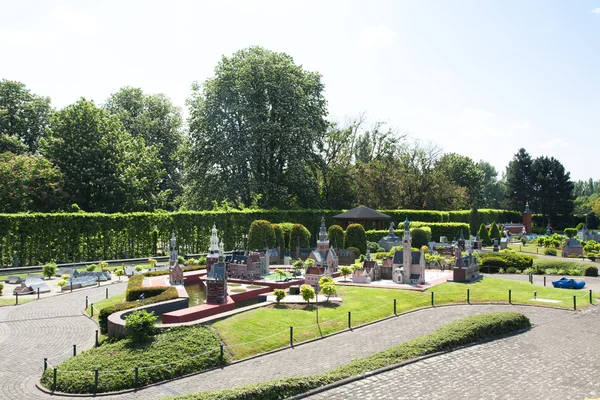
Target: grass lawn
(530,248)
(11,302)
(267,328)
(99,305)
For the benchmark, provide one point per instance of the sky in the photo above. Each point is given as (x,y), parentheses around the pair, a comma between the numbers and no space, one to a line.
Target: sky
(476,77)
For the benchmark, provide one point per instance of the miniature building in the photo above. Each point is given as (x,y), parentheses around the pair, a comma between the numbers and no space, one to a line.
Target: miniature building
(216,280)
(584,234)
(175,270)
(370,271)
(31,285)
(466,269)
(213,250)
(326,261)
(13,279)
(408,266)
(572,247)
(240,265)
(391,240)
(324,256)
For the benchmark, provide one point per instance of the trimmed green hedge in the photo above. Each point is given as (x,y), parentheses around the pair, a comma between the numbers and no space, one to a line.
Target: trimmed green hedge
(166,271)
(261,231)
(487,215)
(434,230)
(356,237)
(542,264)
(195,347)
(133,288)
(493,261)
(458,333)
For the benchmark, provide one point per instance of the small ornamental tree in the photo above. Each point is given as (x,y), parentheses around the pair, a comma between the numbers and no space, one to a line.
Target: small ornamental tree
(356,237)
(61,283)
(494,232)
(297,266)
(419,238)
(329,290)
(335,233)
(119,273)
(309,262)
(103,265)
(484,235)
(280,273)
(260,230)
(91,268)
(474,220)
(345,271)
(307,292)
(49,270)
(299,231)
(152,262)
(279,295)
(325,280)
(571,232)
(140,325)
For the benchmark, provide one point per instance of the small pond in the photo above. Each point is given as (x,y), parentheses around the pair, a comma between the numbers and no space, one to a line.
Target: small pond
(196,293)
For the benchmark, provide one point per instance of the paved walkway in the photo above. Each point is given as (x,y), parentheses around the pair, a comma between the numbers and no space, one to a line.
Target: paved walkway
(49,327)
(43,328)
(558,359)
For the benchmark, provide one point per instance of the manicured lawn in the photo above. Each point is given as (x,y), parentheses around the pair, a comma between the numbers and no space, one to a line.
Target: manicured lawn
(11,302)
(99,305)
(174,353)
(268,328)
(531,248)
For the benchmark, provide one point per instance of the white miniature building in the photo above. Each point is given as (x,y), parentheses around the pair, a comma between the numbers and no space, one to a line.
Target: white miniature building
(408,266)
(326,260)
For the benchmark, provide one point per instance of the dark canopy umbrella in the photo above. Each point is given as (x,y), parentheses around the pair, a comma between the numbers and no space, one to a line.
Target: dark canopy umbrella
(361,214)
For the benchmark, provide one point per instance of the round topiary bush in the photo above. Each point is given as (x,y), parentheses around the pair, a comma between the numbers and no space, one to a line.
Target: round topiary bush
(550,252)
(261,230)
(356,237)
(419,238)
(299,231)
(336,236)
(512,270)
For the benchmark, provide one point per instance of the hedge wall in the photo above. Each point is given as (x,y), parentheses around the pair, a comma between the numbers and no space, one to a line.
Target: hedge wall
(487,215)
(76,237)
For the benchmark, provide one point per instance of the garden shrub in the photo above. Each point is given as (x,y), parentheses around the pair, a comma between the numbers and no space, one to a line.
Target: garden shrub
(419,238)
(356,237)
(49,270)
(279,295)
(91,268)
(286,228)
(336,236)
(299,232)
(278,236)
(512,270)
(181,260)
(562,267)
(135,289)
(458,333)
(260,231)
(1,288)
(491,262)
(140,325)
(355,250)
(484,235)
(474,220)
(590,270)
(494,232)
(550,252)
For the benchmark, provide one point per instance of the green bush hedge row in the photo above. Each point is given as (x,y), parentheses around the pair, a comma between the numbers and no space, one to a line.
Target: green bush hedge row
(449,229)
(540,265)
(487,216)
(135,289)
(166,293)
(492,262)
(166,271)
(458,333)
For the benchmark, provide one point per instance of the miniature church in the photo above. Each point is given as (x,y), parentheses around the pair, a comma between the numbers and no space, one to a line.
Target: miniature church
(370,271)
(175,270)
(408,266)
(216,280)
(213,250)
(326,260)
(466,268)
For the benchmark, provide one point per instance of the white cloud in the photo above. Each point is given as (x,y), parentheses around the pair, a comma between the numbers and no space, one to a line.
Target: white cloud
(596,10)
(75,21)
(39,39)
(553,143)
(378,37)
(521,125)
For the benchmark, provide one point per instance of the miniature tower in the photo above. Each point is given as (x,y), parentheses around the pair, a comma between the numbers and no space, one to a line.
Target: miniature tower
(213,250)
(323,242)
(406,246)
(461,241)
(265,266)
(173,257)
(527,219)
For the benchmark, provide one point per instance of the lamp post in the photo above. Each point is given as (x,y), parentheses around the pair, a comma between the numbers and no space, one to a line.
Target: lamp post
(317,303)
(245,237)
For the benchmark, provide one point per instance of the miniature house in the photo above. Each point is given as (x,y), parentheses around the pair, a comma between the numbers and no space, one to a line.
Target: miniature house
(326,261)
(572,248)
(240,265)
(391,240)
(408,266)
(466,268)
(370,271)
(175,270)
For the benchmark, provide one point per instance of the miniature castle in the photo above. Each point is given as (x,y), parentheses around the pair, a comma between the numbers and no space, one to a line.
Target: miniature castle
(370,271)
(175,270)
(325,258)
(408,266)
(466,268)
(213,250)
(391,240)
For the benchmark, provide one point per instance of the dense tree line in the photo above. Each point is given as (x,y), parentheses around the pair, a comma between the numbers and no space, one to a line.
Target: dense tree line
(257,136)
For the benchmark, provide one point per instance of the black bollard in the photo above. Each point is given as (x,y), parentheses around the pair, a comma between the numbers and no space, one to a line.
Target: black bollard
(350,320)
(221,355)
(74,350)
(574,303)
(95,380)
(96,337)
(544,281)
(291,336)
(54,380)
(86,302)
(92,310)
(432,299)
(45,364)
(16,299)
(107,293)
(509,296)
(395,313)
(38,293)
(137,382)
(591,299)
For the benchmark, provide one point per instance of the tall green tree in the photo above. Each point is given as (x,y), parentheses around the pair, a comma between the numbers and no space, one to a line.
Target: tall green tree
(24,117)
(553,188)
(155,119)
(519,181)
(253,129)
(29,183)
(104,167)
(462,171)
(493,191)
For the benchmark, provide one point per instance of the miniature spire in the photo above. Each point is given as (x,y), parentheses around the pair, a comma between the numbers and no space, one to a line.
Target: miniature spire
(461,237)
(221,251)
(392,228)
(368,256)
(173,242)
(406,224)
(527,207)
(323,231)
(214,241)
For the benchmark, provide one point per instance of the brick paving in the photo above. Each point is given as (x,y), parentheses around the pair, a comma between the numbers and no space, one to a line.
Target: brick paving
(49,327)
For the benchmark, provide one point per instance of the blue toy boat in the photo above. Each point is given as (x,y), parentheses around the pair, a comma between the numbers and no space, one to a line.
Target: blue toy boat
(566,283)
